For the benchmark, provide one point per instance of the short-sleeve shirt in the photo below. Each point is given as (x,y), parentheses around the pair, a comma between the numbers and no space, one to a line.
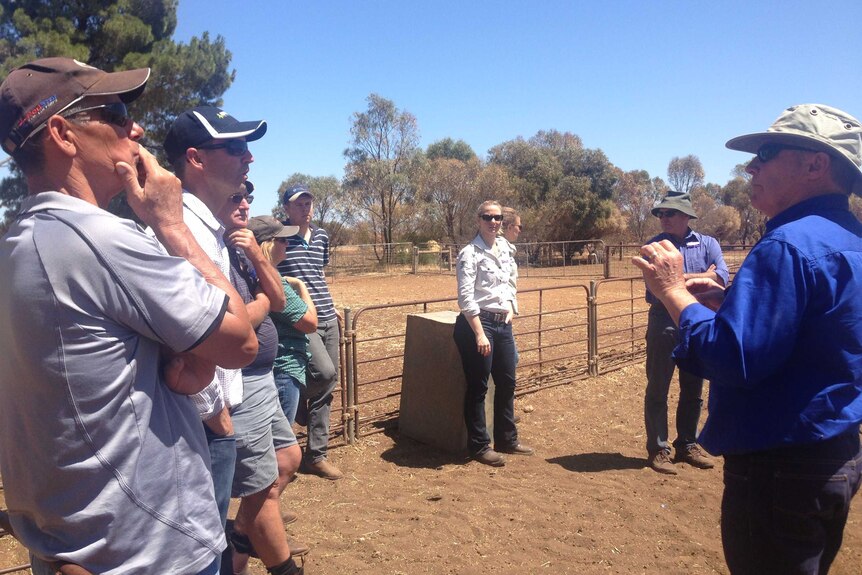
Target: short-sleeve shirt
(306,260)
(292,357)
(102,464)
(209,233)
(244,278)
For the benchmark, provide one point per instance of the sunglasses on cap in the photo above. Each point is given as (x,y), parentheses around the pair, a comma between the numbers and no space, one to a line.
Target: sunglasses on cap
(232,147)
(489,217)
(238,198)
(114,113)
(665,213)
(768,152)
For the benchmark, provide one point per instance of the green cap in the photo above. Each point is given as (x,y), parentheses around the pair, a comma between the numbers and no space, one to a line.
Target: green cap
(815,127)
(676,201)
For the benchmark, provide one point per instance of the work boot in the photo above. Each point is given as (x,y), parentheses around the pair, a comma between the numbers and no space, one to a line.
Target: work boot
(288,517)
(490,457)
(660,461)
(694,456)
(321,468)
(516,449)
(297,548)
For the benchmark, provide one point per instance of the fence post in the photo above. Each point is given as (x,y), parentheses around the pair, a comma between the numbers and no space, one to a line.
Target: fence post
(592,330)
(350,416)
(449,261)
(415,258)
(607,262)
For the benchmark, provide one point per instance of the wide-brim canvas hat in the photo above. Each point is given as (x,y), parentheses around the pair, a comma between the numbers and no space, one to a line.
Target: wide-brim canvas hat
(34,92)
(676,201)
(200,125)
(814,127)
(268,228)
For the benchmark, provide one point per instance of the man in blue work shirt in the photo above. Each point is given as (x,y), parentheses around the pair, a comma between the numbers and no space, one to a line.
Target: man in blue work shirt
(783,352)
(702,259)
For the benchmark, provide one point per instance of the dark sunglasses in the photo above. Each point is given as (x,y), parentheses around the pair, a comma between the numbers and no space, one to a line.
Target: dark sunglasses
(232,147)
(768,152)
(238,198)
(281,240)
(114,113)
(489,217)
(666,213)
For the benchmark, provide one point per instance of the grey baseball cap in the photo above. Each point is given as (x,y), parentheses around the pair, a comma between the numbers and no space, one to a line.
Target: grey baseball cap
(815,127)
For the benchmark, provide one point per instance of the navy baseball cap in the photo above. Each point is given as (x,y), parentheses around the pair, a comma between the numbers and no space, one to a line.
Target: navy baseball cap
(295,192)
(200,125)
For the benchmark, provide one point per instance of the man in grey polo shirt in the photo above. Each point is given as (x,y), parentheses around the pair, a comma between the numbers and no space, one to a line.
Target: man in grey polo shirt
(103,457)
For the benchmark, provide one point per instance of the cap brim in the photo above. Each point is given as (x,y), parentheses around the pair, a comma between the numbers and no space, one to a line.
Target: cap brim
(251,131)
(127,84)
(287,231)
(298,195)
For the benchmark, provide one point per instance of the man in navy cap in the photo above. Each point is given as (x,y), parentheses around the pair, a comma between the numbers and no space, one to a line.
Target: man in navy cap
(307,254)
(208,149)
(783,352)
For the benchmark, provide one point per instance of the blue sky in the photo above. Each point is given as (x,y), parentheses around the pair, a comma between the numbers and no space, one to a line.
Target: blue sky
(643,81)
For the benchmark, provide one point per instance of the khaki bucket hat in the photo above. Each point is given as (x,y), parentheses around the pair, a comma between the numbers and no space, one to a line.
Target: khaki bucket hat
(815,127)
(676,201)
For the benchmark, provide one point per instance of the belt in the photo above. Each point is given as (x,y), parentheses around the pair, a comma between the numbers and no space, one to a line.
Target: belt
(495,316)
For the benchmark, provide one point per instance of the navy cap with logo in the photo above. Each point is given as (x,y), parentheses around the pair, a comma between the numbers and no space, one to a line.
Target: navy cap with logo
(34,92)
(200,125)
(295,192)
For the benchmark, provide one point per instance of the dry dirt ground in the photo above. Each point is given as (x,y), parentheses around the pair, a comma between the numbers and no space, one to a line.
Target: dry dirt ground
(583,504)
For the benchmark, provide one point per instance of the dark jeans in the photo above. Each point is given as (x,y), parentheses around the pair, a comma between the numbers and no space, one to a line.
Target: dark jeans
(222,462)
(784,510)
(661,339)
(501,364)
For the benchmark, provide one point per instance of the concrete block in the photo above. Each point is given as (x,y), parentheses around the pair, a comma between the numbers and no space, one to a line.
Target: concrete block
(433,385)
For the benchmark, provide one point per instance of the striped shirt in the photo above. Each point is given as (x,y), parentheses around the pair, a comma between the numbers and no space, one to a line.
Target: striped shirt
(306,260)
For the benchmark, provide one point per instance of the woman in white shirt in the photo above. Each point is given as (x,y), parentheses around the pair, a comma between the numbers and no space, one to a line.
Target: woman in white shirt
(483,334)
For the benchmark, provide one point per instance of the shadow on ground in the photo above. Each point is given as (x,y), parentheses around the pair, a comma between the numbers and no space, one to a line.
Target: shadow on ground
(409,453)
(595,462)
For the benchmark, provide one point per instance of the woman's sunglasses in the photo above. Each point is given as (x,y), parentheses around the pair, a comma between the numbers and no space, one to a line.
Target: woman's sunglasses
(489,217)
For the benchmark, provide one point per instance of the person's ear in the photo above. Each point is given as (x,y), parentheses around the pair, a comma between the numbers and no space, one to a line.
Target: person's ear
(62,135)
(819,165)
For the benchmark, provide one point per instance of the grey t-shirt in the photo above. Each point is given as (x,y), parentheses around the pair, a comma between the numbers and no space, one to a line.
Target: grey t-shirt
(102,464)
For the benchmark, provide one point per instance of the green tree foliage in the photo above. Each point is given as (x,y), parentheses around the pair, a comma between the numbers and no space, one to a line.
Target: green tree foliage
(685,174)
(381,161)
(566,188)
(329,202)
(736,193)
(636,194)
(117,36)
(451,149)
(450,192)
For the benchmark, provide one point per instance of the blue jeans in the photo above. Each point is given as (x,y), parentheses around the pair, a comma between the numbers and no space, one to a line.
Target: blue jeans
(316,401)
(501,364)
(661,339)
(784,510)
(289,390)
(222,463)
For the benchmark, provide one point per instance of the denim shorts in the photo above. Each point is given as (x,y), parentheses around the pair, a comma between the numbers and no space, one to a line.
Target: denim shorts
(261,429)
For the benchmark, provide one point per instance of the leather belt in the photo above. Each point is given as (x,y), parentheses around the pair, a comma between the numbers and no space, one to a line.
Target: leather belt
(495,316)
